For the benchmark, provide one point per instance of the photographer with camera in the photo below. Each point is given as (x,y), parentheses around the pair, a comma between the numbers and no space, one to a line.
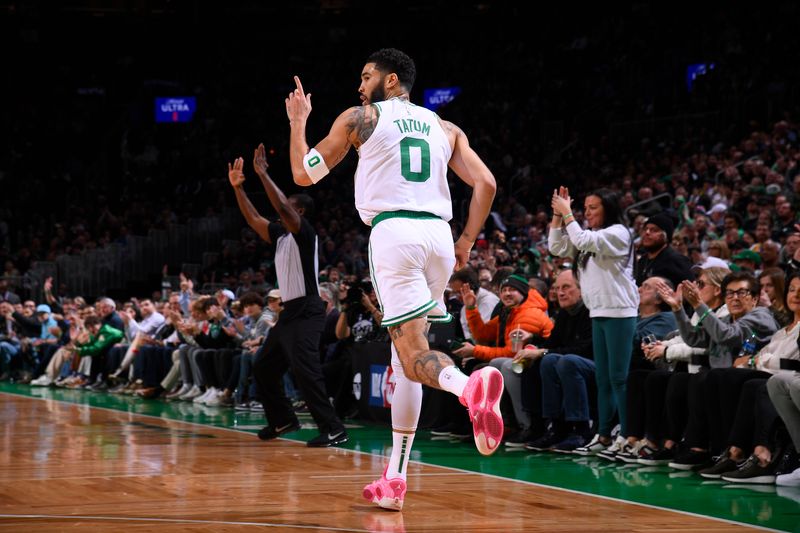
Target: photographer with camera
(360,319)
(359,322)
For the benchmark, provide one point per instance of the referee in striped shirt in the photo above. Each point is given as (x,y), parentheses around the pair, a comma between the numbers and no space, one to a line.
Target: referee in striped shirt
(294,341)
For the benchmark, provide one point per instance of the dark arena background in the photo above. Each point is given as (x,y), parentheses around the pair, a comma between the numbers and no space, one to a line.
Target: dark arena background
(119,120)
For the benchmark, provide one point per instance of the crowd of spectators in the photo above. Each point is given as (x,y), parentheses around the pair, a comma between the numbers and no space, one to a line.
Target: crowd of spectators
(112,172)
(715,206)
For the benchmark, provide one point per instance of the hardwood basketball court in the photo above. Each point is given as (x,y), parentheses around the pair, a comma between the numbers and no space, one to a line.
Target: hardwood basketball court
(68,463)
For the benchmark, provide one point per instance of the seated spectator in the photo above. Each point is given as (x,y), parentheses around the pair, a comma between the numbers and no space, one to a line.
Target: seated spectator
(719,249)
(101,338)
(190,373)
(523,308)
(724,338)
(784,391)
(772,282)
(485,277)
(659,434)
(486,300)
(9,339)
(49,335)
(740,421)
(747,260)
(160,355)
(261,320)
(140,333)
(567,374)
(659,257)
(214,361)
(224,298)
(790,248)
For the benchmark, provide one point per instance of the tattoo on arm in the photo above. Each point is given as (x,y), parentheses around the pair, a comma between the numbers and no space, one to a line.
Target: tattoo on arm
(451,128)
(361,123)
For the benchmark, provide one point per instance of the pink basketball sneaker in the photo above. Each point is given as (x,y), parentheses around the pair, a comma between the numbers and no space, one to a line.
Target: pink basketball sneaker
(482,397)
(386,493)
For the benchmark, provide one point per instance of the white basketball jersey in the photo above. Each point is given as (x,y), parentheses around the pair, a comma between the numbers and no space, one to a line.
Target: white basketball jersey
(403,165)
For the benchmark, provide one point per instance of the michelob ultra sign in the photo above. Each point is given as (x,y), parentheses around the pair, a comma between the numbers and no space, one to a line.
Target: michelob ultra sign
(435,98)
(175,108)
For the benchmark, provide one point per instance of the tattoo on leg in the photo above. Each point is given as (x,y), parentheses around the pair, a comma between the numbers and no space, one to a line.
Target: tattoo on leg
(395,332)
(428,366)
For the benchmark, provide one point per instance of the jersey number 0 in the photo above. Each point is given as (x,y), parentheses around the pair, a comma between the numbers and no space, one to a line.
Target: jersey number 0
(421,151)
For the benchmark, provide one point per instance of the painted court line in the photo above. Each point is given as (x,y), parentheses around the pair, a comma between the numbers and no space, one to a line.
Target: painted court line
(173,521)
(372,476)
(531,483)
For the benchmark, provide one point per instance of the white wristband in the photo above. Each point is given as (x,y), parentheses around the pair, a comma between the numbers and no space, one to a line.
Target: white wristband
(315,166)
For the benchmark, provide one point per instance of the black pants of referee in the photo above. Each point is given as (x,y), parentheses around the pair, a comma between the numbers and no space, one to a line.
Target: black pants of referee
(294,343)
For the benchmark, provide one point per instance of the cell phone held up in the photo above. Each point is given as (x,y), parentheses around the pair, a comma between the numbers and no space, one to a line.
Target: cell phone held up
(455,344)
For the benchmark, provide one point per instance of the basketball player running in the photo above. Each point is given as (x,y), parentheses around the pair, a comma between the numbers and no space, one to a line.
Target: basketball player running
(401,191)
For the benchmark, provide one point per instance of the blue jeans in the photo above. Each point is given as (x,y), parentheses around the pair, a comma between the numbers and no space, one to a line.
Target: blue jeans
(8,350)
(565,381)
(612,339)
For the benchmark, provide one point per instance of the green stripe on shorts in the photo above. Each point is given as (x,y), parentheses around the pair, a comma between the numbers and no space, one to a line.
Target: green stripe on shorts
(441,319)
(402,214)
(405,317)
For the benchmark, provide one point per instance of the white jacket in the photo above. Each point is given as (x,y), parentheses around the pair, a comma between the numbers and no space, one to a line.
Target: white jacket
(783,345)
(607,285)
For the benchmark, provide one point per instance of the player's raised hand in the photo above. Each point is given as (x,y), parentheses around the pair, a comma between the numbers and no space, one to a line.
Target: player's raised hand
(298,104)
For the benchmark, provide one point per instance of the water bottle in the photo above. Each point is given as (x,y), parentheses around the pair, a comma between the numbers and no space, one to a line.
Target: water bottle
(749,346)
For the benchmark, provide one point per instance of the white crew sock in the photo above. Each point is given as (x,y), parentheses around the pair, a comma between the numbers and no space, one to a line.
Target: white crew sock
(453,380)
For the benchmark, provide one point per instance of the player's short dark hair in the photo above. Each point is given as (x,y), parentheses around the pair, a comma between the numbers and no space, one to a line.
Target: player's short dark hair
(389,60)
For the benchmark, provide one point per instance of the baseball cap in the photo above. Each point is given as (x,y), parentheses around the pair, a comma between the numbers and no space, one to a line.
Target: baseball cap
(229,294)
(43,308)
(748,255)
(718,208)
(274,293)
(711,262)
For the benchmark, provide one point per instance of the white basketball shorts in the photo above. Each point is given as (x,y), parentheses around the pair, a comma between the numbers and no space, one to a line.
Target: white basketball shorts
(411,261)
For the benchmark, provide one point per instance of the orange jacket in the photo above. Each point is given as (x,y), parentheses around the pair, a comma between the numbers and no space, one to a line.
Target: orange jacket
(530,315)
